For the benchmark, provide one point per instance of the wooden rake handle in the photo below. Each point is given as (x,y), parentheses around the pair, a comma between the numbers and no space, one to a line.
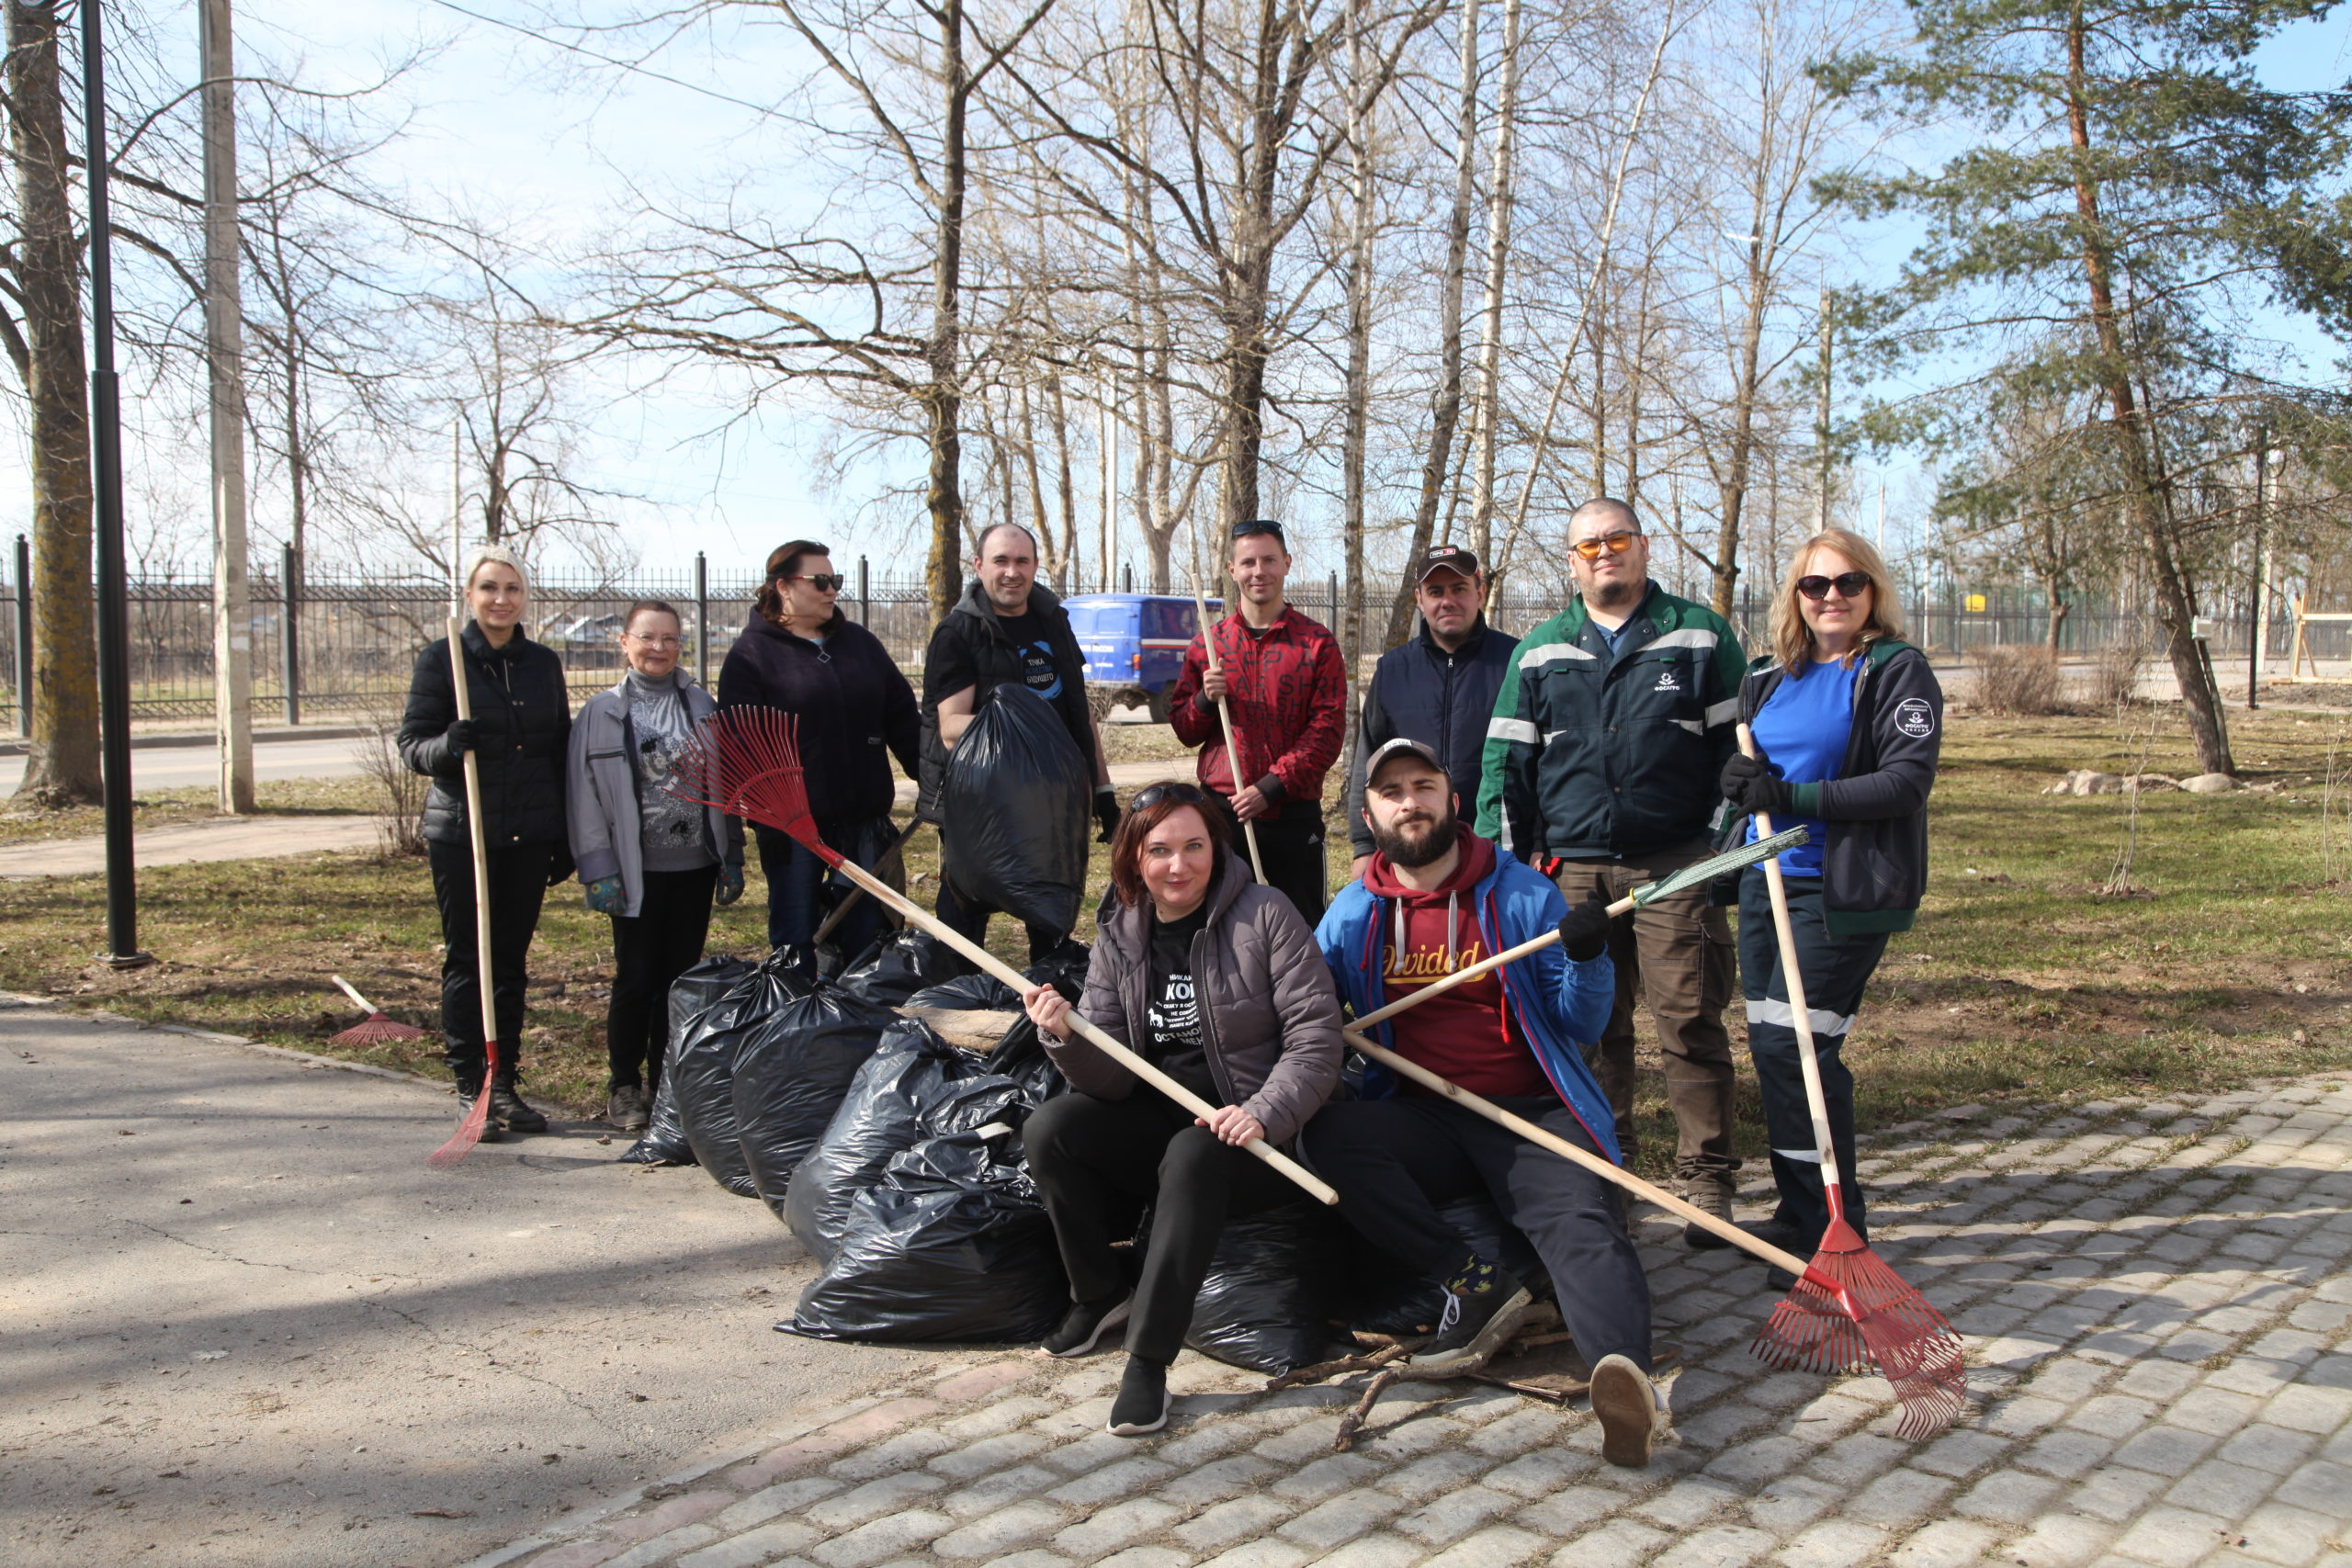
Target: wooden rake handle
(1509,954)
(482,852)
(879,889)
(1225,718)
(1688,1213)
(898,846)
(1793,982)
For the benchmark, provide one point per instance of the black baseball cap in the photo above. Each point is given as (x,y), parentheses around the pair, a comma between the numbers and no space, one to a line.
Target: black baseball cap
(1452,557)
(1400,747)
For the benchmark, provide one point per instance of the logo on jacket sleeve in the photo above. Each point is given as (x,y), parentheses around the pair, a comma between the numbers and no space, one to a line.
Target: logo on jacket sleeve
(1914,718)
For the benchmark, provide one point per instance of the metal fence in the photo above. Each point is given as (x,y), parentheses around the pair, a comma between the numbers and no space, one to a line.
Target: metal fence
(353,643)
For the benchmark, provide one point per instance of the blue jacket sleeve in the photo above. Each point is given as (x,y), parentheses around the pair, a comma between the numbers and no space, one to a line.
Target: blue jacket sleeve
(1582,993)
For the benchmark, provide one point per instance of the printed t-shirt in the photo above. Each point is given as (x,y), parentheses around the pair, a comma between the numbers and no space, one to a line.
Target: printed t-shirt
(1466,1034)
(1172,1008)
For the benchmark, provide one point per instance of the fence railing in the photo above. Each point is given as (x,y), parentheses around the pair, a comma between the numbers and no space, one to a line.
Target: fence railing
(353,643)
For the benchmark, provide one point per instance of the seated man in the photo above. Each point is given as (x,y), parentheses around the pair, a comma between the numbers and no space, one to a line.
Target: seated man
(1436,898)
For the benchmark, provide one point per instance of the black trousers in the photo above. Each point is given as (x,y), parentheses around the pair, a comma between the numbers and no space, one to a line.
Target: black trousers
(651,948)
(518,883)
(1834,970)
(1291,843)
(1395,1161)
(970,918)
(1096,1162)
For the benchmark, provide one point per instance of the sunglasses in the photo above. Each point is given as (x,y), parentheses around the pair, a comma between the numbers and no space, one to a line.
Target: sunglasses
(1182,792)
(1261,526)
(822,581)
(1849,585)
(1616,544)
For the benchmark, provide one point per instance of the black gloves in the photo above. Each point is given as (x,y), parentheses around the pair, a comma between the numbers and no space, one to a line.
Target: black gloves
(1106,812)
(1584,930)
(464,736)
(1749,785)
(558,866)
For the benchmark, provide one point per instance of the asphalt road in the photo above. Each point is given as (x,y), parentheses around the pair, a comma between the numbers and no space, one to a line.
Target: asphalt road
(174,767)
(243,1323)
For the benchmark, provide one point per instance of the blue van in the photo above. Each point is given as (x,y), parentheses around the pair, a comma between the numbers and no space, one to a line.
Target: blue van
(1134,645)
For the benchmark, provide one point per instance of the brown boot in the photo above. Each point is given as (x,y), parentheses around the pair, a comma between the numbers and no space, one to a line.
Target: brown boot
(1712,1195)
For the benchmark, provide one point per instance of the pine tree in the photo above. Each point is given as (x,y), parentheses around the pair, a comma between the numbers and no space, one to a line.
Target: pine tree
(2138,194)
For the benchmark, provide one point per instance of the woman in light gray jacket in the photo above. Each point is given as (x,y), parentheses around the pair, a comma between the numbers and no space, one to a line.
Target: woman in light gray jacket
(1216,982)
(650,861)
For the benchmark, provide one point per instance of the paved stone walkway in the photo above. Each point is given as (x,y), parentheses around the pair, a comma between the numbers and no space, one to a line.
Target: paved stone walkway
(2156,1299)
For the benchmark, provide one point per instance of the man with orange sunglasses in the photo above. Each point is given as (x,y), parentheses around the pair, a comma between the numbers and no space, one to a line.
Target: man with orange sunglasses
(1613,722)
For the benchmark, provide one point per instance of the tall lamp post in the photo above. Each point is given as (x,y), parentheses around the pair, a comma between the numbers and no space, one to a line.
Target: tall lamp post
(105,452)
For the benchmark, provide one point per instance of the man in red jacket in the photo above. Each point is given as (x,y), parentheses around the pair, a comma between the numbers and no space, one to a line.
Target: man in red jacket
(1287,686)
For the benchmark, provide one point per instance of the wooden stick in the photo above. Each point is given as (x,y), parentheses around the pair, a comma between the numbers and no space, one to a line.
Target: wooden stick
(344,986)
(1793,982)
(1093,1036)
(1225,717)
(472,762)
(881,862)
(1566,1150)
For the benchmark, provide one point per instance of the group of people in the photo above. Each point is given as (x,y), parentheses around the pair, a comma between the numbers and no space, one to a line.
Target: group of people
(1506,789)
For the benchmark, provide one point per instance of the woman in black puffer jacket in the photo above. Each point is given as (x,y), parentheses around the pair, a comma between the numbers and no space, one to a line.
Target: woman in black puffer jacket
(801,653)
(520,724)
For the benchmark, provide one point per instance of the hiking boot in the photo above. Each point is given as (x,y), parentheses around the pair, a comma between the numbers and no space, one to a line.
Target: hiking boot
(1083,1326)
(1788,1239)
(1485,1304)
(1712,1193)
(627,1108)
(507,1107)
(493,1129)
(1141,1408)
(1629,1410)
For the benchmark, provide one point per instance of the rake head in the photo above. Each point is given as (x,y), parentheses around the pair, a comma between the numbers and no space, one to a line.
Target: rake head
(461,1141)
(1851,1312)
(746,762)
(376,1030)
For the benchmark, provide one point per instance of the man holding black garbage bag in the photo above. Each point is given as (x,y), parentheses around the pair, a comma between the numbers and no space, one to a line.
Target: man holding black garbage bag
(1436,898)
(1007,630)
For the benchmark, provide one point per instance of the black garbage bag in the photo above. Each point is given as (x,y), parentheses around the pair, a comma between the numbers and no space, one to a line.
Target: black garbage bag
(915,1086)
(1021,1056)
(702,1066)
(967,993)
(1064,968)
(791,1075)
(1273,1286)
(951,1244)
(663,1142)
(897,964)
(1014,821)
(1385,1295)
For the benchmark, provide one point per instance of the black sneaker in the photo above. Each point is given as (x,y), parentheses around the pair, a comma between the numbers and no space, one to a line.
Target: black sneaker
(493,1130)
(1141,1408)
(1476,1324)
(1086,1322)
(506,1106)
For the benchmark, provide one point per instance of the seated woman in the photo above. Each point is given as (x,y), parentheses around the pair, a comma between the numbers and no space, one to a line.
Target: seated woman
(1216,982)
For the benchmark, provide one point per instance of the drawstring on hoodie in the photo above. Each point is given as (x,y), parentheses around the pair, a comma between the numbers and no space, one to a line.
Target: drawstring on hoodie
(1452,928)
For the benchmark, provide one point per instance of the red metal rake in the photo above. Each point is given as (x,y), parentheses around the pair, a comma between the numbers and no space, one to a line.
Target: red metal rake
(1848,1309)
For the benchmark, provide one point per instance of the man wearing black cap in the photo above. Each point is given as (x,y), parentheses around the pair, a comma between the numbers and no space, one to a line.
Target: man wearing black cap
(1286,685)
(1438,688)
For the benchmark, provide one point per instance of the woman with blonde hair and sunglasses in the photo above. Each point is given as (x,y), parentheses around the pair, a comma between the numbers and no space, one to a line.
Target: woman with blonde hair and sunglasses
(1848,718)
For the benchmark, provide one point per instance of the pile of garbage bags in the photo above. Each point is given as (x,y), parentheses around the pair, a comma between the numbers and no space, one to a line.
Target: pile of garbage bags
(896,1159)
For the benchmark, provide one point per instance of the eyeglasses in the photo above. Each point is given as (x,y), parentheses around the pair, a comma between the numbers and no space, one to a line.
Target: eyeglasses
(822,581)
(1261,526)
(1176,790)
(1849,585)
(1616,544)
(655,641)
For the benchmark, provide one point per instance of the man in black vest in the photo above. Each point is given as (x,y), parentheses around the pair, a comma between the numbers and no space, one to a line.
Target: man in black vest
(1007,626)
(1438,688)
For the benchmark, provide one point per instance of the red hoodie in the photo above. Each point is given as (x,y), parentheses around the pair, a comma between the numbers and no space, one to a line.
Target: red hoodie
(1466,1035)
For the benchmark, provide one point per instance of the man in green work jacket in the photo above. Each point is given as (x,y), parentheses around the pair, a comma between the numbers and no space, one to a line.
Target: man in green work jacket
(1612,725)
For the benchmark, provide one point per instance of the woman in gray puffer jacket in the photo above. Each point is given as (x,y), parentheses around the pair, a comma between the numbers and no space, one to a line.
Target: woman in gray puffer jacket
(651,861)
(1217,982)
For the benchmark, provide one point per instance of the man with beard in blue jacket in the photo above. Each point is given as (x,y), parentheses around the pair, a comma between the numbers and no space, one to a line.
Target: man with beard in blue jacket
(1436,898)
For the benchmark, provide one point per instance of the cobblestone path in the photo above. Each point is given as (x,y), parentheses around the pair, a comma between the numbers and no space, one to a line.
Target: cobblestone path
(2156,1299)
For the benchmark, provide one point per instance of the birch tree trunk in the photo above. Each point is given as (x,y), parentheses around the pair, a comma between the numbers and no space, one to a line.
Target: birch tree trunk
(62,768)
(1490,314)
